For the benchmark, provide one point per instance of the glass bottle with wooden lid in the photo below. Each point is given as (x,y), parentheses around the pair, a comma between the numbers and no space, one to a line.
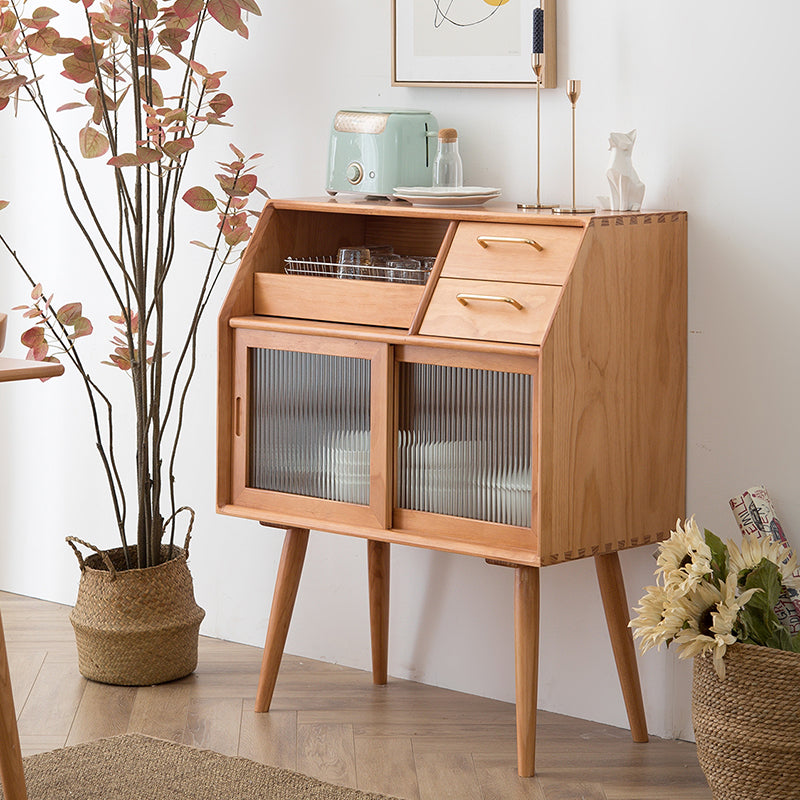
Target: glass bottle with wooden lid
(448,171)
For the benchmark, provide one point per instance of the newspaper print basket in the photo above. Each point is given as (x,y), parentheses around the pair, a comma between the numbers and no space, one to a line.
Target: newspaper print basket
(747,726)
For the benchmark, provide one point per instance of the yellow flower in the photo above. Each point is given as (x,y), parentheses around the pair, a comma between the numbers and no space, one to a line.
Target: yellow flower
(658,620)
(711,616)
(754,548)
(684,560)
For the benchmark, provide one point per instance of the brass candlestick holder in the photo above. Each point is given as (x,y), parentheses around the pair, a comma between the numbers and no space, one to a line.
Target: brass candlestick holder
(573,93)
(537,64)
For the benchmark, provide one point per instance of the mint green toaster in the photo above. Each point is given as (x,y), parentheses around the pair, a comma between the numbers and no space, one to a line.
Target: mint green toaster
(373,150)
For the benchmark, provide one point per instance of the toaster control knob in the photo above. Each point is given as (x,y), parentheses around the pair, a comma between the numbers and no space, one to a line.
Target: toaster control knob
(354,173)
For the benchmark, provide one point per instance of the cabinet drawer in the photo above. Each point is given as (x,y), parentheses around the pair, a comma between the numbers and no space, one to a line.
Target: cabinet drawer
(481,250)
(490,310)
(390,305)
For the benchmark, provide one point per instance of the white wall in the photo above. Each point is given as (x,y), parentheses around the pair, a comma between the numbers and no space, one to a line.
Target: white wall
(709,88)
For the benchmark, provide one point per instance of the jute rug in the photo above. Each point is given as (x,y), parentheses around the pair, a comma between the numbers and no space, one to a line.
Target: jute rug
(136,767)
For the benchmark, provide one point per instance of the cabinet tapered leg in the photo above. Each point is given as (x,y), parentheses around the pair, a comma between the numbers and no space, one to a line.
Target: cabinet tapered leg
(291,566)
(526,650)
(11,773)
(378,564)
(615,604)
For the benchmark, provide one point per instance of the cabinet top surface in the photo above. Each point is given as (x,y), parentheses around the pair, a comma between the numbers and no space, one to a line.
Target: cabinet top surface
(493,211)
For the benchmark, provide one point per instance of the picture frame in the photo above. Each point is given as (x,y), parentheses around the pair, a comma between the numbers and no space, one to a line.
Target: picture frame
(470,43)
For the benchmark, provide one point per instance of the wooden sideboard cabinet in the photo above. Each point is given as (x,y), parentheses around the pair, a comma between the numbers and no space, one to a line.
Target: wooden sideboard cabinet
(524,402)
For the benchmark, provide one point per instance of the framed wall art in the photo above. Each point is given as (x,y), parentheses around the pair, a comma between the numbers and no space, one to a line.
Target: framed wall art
(470,43)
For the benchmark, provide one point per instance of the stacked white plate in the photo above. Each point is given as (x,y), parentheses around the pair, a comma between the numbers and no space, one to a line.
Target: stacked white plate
(446,196)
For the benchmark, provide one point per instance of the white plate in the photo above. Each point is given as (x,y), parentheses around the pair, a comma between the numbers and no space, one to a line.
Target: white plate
(446,191)
(447,200)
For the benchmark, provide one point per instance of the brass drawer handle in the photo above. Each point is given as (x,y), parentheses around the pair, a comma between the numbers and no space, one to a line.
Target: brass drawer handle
(483,241)
(493,298)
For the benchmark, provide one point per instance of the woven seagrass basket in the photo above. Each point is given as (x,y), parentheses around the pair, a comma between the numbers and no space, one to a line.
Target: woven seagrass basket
(747,726)
(135,627)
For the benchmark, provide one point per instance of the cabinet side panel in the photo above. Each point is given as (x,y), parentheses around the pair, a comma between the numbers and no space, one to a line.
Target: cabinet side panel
(238,302)
(613,391)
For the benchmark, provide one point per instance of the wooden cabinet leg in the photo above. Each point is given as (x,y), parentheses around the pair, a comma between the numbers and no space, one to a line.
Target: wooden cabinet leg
(11,773)
(286,583)
(378,563)
(526,650)
(615,604)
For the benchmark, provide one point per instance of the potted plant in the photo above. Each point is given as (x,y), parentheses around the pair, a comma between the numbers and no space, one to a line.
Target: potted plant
(146,97)
(716,601)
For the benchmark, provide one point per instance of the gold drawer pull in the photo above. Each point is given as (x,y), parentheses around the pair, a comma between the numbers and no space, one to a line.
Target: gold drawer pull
(483,241)
(493,298)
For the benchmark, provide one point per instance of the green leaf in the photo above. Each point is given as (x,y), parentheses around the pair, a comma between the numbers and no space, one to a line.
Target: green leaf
(151,90)
(149,8)
(220,103)
(226,12)
(89,53)
(178,147)
(68,313)
(32,337)
(42,41)
(81,327)
(124,160)
(147,155)
(249,5)
(8,86)
(719,556)
(78,70)
(66,45)
(187,10)
(200,199)
(237,187)
(173,38)
(43,15)
(3,204)
(93,143)
(153,61)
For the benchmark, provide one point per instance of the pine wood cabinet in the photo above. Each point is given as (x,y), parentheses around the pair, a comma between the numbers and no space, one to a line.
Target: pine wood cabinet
(526,404)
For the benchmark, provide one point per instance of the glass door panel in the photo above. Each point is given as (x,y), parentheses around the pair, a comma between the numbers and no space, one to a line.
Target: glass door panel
(464,444)
(309,424)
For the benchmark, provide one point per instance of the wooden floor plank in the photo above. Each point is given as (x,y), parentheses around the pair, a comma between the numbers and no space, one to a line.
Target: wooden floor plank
(269,738)
(572,791)
(24,669)
(213,724)
(161,711)
(498,779)
(447,776)
(103,711)
(52,701)
(327,752)
(385,765)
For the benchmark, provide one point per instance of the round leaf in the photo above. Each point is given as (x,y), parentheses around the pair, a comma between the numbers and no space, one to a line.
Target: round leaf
(93,143)
(200,199)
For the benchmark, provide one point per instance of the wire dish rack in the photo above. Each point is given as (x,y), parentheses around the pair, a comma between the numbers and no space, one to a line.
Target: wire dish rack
(328,267)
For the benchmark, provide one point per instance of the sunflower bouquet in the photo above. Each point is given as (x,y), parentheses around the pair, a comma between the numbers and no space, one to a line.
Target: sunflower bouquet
(710,594)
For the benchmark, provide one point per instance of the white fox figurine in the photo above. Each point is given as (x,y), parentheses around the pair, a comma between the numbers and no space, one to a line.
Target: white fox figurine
(627,190)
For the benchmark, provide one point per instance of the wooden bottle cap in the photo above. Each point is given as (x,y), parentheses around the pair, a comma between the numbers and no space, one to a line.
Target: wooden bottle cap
(448,135)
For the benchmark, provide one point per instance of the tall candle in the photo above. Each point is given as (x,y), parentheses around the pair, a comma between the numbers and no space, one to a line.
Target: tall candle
(538,31)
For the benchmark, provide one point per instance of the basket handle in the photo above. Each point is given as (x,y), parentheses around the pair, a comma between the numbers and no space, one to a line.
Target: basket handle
(188,530)
(70,540)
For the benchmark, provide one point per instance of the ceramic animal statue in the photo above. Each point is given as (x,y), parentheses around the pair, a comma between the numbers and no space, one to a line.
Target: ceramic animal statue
(627,190)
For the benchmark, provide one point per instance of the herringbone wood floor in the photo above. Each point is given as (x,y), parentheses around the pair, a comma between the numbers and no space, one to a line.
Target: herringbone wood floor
(406,739)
